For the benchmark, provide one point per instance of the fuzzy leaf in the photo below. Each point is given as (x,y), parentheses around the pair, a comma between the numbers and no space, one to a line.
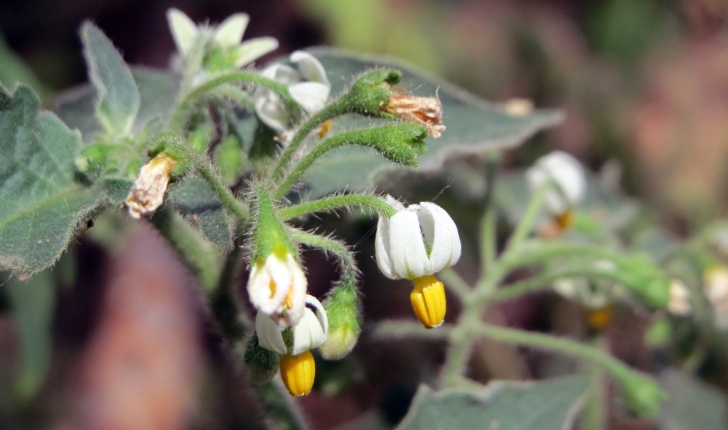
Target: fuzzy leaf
(691,404)
(548,405)
(196,201)
(32,303)
(40,204)
(473,125)
(118,96)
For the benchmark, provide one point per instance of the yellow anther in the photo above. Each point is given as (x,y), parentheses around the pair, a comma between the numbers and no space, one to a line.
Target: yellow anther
(565,220)
(325,127)
(599,318)
(298,373)
(428,301)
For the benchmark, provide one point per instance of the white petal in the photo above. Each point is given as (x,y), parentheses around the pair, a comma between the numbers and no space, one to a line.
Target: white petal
(442,235)
(253,49)
(567,174)
(310,67)
(271,111)
(298,288)
(184,31)
(406,246)
(230,32)
(311,96)
(273,271)
(396,204)
(313,329)
(282,73)
(381,247)
(269,335)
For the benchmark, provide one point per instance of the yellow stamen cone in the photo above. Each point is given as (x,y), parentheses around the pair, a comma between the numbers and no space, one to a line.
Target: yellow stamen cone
(600,318)
(565,220)
(428,301)
(298,373)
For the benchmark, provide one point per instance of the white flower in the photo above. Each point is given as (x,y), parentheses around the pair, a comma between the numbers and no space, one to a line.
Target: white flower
(715,283)
(592,294)
(400,241)
(277,288)
(568,177)
(228,36)
(679,303)
(307,84)
(310,332)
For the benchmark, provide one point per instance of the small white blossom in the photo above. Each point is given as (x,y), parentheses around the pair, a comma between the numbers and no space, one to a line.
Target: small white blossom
(307,84)
(400,241)
(277,288)
(679,303)
(715,283)
(310,332)
(228,36)
(568,177)
(592,294)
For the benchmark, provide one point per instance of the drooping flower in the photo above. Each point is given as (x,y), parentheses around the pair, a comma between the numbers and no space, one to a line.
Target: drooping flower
(147,193)
(569,182)
(679,303)
(307,83)
(715,284)
(415,243)
(277,287)
(226,51)
(297,365)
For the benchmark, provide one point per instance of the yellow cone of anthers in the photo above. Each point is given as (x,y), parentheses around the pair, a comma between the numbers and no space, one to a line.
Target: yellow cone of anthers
(415,243)
(428,301)
(298,373)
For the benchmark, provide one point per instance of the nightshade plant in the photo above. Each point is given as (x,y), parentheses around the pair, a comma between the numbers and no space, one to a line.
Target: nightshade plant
(220,156)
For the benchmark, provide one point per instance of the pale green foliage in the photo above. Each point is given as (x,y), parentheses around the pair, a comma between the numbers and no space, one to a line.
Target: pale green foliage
(548,405)
(691,404)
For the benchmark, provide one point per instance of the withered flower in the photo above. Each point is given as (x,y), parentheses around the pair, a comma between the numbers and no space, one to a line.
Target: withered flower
(147,194)
(426,111)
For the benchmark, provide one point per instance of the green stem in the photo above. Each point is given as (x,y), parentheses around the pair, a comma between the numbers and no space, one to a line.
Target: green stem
(409,330)
(339,249)
(525,256)
(196,253)
(593,416)
(488,239)
(453,281)
(336,202)
(226,196)
(524,227)
(553,344)
(182,111)
(332,110)
(237,95)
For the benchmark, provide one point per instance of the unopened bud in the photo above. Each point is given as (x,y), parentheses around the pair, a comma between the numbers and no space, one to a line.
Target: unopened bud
(261,364)
(147,193)
(642,393)
(425,111)
(344,328)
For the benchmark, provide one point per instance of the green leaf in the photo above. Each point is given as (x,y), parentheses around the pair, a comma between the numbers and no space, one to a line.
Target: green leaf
(548,405)
(473,125)
(40,204)
(157,90)
(118,96)
(196,201)
(32,303)
(691,404)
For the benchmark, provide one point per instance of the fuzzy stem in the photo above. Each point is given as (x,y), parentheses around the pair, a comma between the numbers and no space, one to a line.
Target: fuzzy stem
(488,239)
(453,281)
(524,227)
(346,259)
(408,330)
(222,191)
(332,110)
(553,344)
(524,256)
(182,110)
(336,202)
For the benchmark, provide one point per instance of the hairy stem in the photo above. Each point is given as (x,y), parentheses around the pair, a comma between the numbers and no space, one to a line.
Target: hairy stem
(336,202)
(226,196)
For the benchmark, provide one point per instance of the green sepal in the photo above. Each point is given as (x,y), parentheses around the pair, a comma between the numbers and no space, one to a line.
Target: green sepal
(175,148)
(371,92)
(342,309)
(261,364)
(269,236)
(287,335)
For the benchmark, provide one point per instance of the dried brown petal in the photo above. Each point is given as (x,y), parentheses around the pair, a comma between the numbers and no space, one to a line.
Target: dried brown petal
(147,194)
(426,111)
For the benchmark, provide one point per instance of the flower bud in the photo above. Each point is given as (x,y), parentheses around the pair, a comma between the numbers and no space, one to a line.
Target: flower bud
(147,193)
(428,301)
(642,393)
(344,327)
(298,373)
(261,363)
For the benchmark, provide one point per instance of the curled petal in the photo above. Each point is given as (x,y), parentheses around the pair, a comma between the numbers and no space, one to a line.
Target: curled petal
(407,247)
(381,246)
(184,31)
(269,335)
(442,235)
(253,49)
(311,96)
(568,176)
(311,69)
(230,32)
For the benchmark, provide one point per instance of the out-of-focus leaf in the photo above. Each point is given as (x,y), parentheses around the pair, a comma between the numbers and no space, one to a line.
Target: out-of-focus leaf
(40,204)
(157,91)
(691,404)
(658,243)
(473,125)
(548,405)
(196,201)
(32,303)
(13,71)
(117,93)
